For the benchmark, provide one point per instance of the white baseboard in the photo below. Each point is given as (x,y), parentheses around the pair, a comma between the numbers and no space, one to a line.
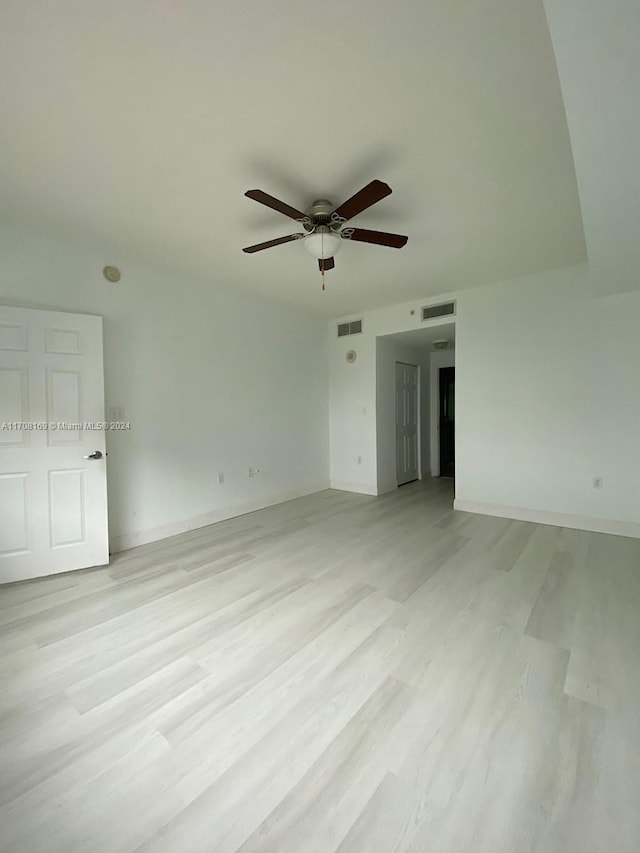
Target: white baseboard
(130,540)
(364,488)
(390,486)
(360,488)
(556,519)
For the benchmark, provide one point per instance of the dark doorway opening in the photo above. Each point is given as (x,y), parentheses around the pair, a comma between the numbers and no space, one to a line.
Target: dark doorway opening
(447,384)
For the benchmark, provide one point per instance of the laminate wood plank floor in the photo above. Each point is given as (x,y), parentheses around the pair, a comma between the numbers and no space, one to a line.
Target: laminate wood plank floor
(337,673)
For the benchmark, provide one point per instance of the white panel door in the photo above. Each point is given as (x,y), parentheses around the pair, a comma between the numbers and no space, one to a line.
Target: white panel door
(406,422)
(53,494)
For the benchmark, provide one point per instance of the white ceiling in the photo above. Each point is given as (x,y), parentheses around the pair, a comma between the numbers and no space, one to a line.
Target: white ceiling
(598,50)
(139,126)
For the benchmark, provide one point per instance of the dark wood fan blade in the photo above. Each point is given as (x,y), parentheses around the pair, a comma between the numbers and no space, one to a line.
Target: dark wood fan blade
(372,193)
(274,204)
(260,246)
(380,238)
(326,264)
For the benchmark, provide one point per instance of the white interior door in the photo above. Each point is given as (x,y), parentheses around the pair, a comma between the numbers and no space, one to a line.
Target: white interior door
(53,496)
(406,422)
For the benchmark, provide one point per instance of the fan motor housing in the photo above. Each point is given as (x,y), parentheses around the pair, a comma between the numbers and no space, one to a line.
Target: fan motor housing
(321,209)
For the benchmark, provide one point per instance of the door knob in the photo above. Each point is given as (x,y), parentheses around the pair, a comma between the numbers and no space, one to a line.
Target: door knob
(97,454)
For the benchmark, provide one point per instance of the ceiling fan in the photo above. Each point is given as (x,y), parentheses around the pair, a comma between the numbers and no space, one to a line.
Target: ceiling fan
(323,224)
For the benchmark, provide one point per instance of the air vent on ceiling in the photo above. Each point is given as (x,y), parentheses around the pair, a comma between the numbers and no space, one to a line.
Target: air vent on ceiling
(445,309)
(352,328)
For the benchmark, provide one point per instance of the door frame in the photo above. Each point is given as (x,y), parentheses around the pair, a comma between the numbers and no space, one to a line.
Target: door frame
(444,358)
(440,405)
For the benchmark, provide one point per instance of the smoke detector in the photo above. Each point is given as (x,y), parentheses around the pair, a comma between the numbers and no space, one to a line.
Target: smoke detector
(111,274)
(441,344)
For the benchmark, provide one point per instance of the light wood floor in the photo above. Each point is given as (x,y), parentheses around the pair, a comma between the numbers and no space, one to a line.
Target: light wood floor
(338,673)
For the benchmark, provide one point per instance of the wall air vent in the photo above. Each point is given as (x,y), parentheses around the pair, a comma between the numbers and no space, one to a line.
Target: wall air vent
(445,309)
(352,328)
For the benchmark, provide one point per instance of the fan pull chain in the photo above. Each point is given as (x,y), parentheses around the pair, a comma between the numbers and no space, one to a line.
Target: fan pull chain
(322,273)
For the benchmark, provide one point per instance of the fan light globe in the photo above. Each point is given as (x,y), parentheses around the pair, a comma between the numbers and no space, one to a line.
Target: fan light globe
(323,243)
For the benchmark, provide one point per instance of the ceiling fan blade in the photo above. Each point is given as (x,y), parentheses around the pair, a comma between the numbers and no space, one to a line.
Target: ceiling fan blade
(260,246)
(275,204)
(372,193)
(325,264)
(380,238)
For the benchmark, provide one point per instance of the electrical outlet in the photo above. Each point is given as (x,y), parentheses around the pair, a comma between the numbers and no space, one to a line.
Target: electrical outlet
(597,482)
(115,413)
(253,472)
(221,476)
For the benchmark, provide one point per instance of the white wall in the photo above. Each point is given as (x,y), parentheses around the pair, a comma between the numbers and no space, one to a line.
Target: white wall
(352,413)
(546,399)
(212,380)
(523,408)
(427,427)
(616,415)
